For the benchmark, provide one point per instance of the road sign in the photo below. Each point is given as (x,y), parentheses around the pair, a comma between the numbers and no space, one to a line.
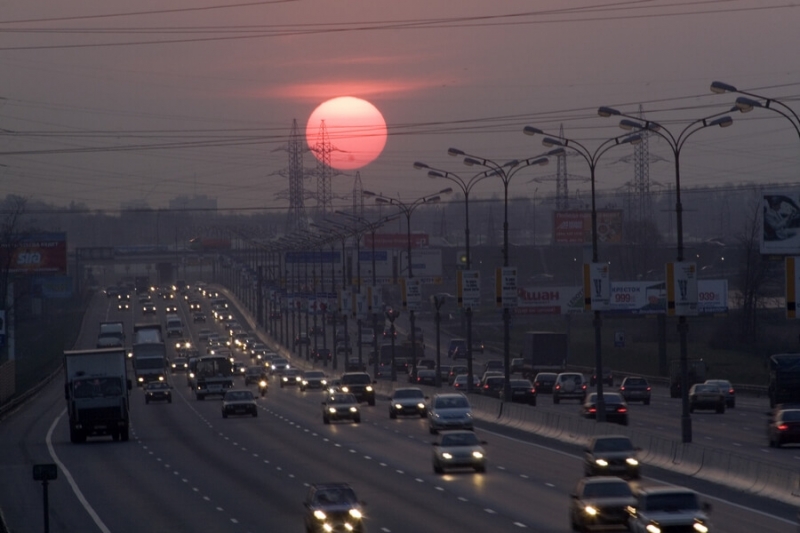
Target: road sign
(506,287)
(469,288)
(682,288)
(596,286)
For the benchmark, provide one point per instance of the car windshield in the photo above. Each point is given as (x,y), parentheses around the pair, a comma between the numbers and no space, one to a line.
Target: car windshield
(408,393)
(156,385)
(610,489)
(792,415)
(678,501)
(520,384)
(254,370)
(635,381)
(460,439)
(238,395)
(280,362)
(545,377)
(452,402)
(356,379)
(342,398)
(314,374)
(706,388)
(621,444)
(337,496)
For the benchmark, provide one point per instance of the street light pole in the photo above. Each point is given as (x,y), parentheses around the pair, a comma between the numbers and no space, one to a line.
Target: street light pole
(676,143)
(750,101)
(592,159)
(408,208)
(505,172)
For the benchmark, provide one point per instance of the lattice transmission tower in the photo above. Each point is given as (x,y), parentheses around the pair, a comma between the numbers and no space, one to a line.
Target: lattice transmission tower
(561,177)
(358,196)
(296,219)
(322,150)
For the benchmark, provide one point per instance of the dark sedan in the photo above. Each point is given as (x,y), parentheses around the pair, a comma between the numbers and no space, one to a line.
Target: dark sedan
(523,391)
(784,428)
(544,382)
(635,389)
(615,406)
(702,396)
(239,402)
(341,406)
(157,391)
(600,502)
(426,377)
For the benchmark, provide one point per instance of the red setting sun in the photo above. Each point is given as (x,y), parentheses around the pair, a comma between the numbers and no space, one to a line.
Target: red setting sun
(355,130)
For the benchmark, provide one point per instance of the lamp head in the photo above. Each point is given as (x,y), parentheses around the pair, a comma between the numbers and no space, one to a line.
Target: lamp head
(549,141)
(530,130)
(607,111)
(719,87)
(446,191)
(745,104)
(454,152)
(628,125)
(380,200)
(420,165)
(469,161)
(435,174)
(367,193)
(722,122)
(556,152)
(632,139)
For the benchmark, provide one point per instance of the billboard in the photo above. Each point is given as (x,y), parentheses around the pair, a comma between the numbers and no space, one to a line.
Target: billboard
(426,264)
(37,252)
(396,240)
(575,227)
(549,300)
(780,224)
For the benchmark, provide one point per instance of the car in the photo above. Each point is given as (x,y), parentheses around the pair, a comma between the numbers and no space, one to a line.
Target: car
(607,376)
(457,349)
(449,411)
(408,401)
(302,338)
(315,331)
(360,385)
(149,309)
(545,382)
(341,406)
(569,386)
(292,377)
(171,309)
(366,336)
(444,372)
(783,427)
(600,502)
(254,374)
(279,366)
(322,355)
(353,364)
(493,365)
(195,305)
(239,402)
(333,507)
(430,364)
(611,455)
(702,396)
(388,332)
(179,364)
(522,391)
(493,386)
(313,379)
(157,391)
(490,374)
(727,389)
(667,508)
(615,407)
(123,305)
(459,449)
(456,370)
(239,368)
(477,344)
(460,382)
(635,389)
(343,348)
(199,318)
(426,377)
(204,334)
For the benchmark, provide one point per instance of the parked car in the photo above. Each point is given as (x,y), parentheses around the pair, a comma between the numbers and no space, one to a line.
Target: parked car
(635,389)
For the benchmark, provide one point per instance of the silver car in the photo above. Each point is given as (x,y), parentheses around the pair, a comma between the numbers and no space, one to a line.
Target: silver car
(449,411)
(459,449)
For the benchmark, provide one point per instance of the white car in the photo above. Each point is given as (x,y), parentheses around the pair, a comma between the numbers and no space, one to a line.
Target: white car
(449,411)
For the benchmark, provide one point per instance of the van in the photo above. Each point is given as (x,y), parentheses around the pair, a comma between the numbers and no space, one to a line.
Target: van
(174,327)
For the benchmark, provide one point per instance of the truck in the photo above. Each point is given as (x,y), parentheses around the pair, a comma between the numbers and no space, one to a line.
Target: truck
(784,379)
(697,371)
(212,375)
(149,354)
(141,284)
(96,389)
(543,351)
(111,335)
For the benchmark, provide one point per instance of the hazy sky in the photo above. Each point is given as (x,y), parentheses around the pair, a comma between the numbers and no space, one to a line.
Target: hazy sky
(105,101)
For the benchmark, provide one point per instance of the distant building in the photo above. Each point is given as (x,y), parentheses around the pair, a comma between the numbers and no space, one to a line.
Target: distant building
(139,204)
(198,201)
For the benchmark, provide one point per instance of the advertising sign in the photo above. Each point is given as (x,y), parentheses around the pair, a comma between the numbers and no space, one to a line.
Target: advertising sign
(596,286)
(549,300)
(682,289)
(575,227)
(506,287)
(412,294)
(792,286)
(469,288)
(396,240)
(383,264)
(781,224)
(426,265)
(38,252)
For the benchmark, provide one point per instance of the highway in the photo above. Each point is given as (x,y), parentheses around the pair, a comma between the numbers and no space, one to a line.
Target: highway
(188,469)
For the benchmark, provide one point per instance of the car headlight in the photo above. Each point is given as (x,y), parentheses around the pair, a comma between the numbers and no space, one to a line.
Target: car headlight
(477,455)
(354,409)
(160,378)
(355,513)
(262,383)
(324,382)
(305,382)
(369,388)
(590,510)
(420,405)
(345,389)
(191,374)
(631,461)
(141,380)
(447,455)
(173,365)
(653,528)
(319,515)
(331,409)
(285,378)
(297,378)
(601,462)
(700,527)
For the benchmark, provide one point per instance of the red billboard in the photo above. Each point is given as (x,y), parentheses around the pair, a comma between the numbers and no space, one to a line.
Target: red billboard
(575,227)
(385,241)
(39,252)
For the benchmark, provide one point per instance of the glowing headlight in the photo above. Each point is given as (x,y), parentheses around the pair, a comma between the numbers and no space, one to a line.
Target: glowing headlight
(285,378)
(173,365)
(327,527)
(331,409)
(700,527)
(420,405)
(319,515)
(160,378)
(324,381)
(590,510)
(631,461)
(369,388)
(355,513)
(297,378)
(242,370)
(353,409)
(398,406)
(447,455)
(477,455)
(652,528)
(140,380)
(345,389)
(601,462)
(262,383)
(305,382)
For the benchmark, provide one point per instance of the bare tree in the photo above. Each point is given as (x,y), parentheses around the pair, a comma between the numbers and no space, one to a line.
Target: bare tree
(11,235)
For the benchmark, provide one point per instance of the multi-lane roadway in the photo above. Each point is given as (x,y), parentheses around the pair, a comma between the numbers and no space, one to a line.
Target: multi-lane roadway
(188,469)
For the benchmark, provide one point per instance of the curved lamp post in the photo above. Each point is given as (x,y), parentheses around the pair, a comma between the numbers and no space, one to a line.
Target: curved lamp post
(408,208)
(750,101)
(505,172)
(592,158)
(676,143)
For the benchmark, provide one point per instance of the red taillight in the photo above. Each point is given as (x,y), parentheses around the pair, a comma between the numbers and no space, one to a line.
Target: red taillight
(583,386)
(593,409)
(558,387)
(486,387)
(533,391)
(731,391)
(622,388)
(622,410)
(648,389)
(783,427)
